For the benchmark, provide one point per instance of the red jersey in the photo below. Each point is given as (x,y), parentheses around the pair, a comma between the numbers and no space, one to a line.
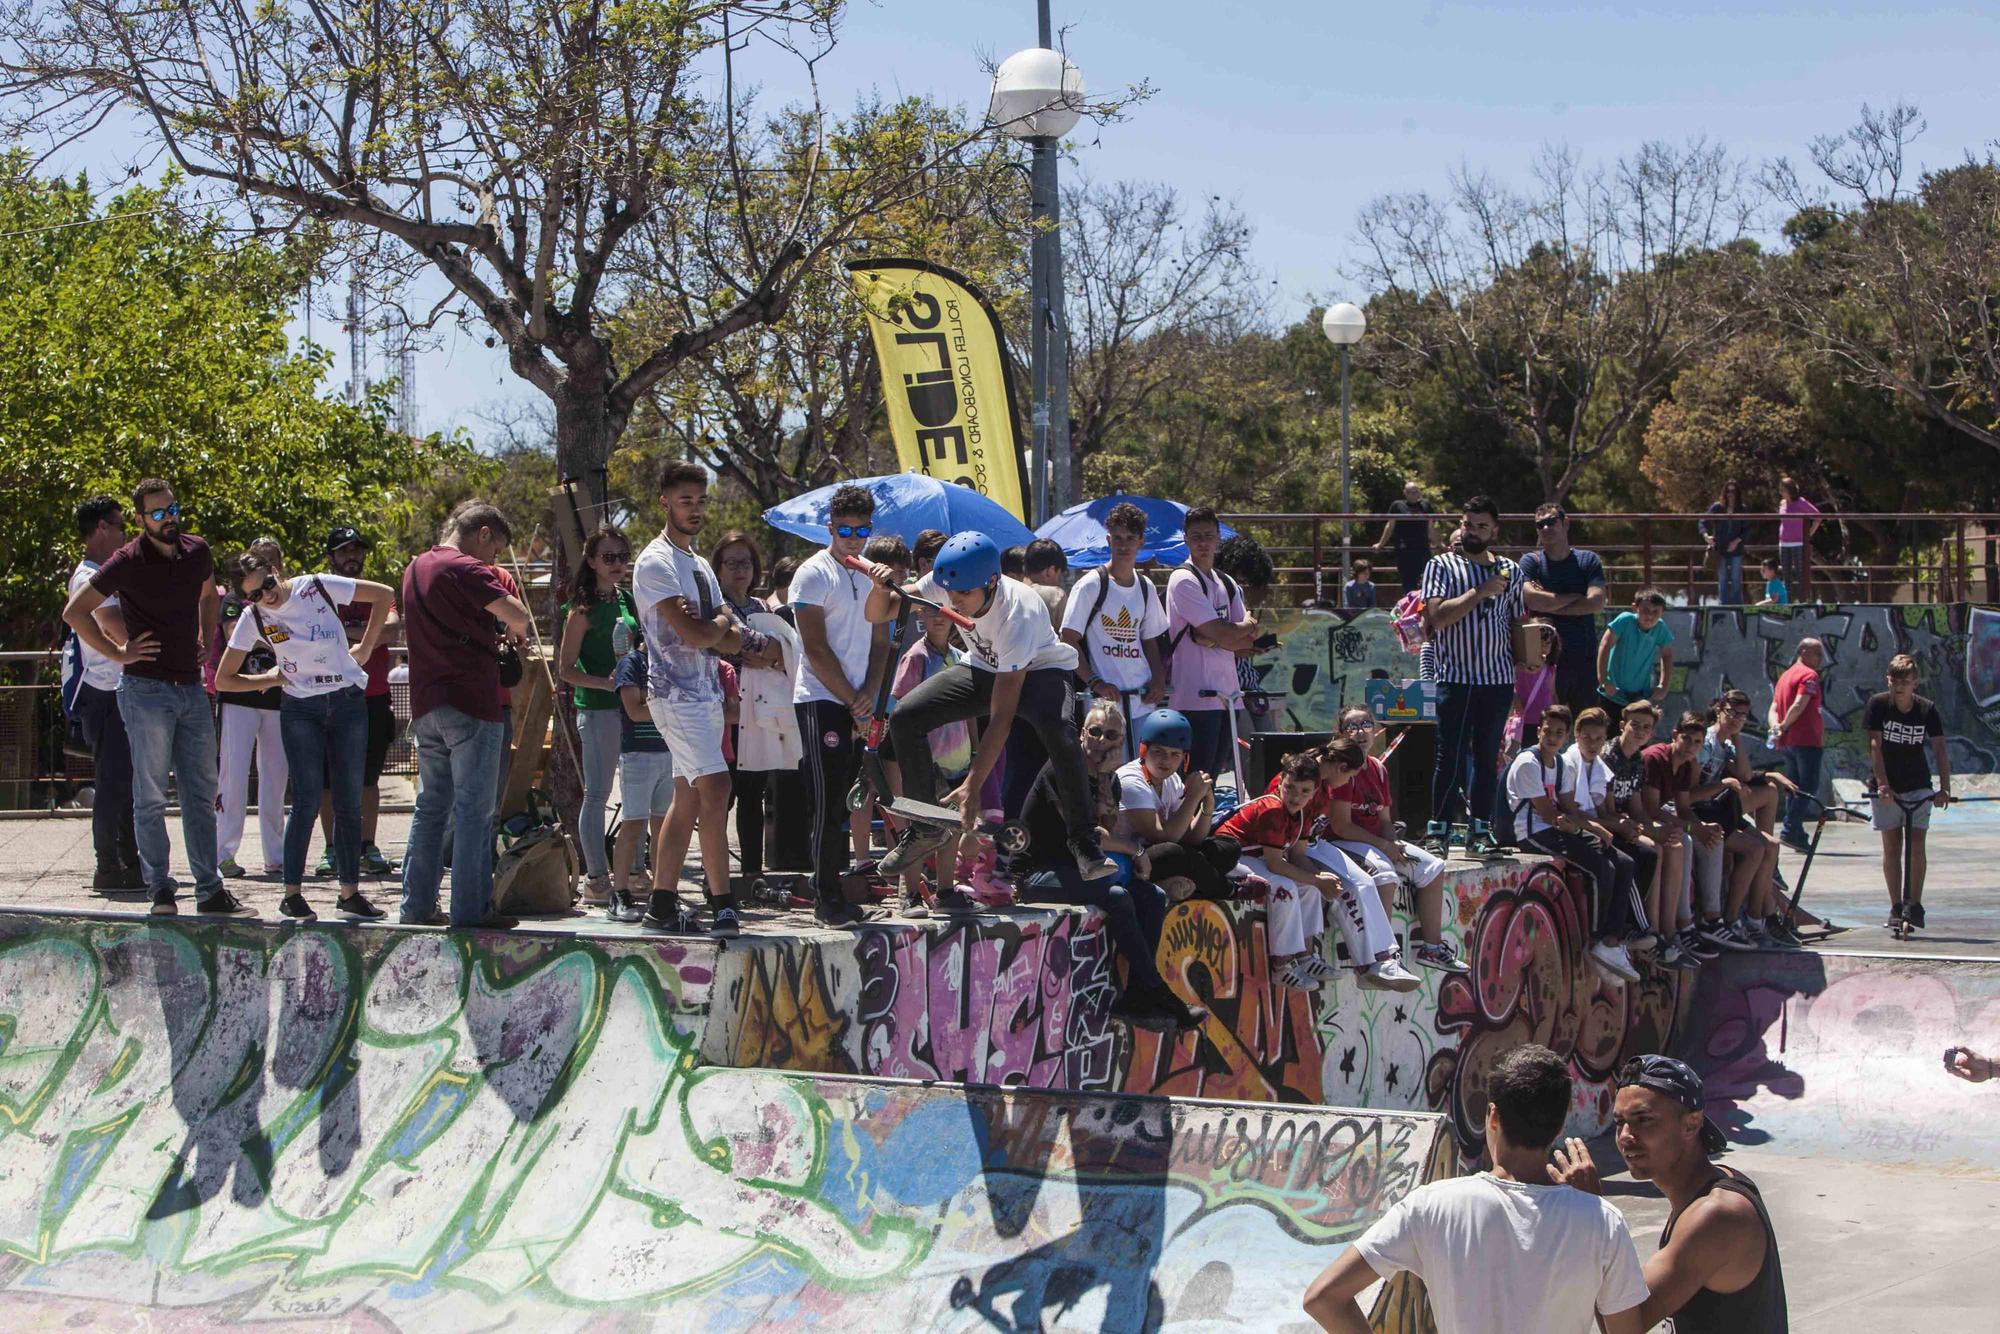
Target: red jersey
(1316,809)
(1368,793)
(1264,823)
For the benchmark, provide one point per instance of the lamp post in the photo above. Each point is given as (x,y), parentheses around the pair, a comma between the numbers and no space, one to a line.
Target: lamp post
(1038,97)
(1343,325)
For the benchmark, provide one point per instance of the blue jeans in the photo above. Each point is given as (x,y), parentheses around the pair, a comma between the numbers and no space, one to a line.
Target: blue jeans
(1802,767)
(598,730)
(1729,580)
(171,731)
(458,765)
(325,734)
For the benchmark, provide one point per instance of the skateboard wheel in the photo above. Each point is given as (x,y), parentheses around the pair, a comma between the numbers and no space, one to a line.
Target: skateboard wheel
(1011,839)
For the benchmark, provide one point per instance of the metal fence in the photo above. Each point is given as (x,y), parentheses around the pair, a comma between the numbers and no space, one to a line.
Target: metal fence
(1930,557)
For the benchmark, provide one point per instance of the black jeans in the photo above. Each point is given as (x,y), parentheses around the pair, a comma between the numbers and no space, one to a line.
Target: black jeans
(1645,865)
(111,756)
(1471,721)
(1576,686)
(826,730)
(1133,914)
(961,694)
(1613,900)
(1208,864)
(747,790)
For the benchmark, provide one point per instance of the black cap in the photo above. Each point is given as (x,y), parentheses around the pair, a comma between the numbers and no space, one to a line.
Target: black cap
(1676,1080)
(341,537)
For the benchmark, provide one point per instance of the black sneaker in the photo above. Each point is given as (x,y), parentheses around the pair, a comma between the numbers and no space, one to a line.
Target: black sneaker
(163,902)
(494,921)
(913,846)
(1913,913)
(221,903)
(955,902)
(1158,1009)
(359,908)
(1895,921)
(295,906)
(665,913)
(722,923)
(1695,947)
(433,918)
(838,913)
(117,877)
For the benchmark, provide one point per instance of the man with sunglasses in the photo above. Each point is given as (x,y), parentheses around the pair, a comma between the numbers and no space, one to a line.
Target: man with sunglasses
(1717,1269)
(164,581)
(843,656)
(1566,585)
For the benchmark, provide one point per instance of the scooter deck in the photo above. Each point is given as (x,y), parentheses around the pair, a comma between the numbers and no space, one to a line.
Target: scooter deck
(925,812)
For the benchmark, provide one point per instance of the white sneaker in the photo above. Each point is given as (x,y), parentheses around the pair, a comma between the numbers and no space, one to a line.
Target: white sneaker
(1318,967)
(1615,961)
(1294,975)
(1391,977)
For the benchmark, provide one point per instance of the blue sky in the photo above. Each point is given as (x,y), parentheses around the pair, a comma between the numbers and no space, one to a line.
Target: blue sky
(1301,113)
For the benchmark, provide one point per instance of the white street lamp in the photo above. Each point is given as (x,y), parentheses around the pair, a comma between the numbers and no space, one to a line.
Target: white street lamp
(1038,97)
(1343,325)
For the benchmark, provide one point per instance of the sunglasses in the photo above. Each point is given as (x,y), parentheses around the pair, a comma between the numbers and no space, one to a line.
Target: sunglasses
(165,512)
(1553,521)
(1102,733)
(258,593)
(615,557)
(852,530)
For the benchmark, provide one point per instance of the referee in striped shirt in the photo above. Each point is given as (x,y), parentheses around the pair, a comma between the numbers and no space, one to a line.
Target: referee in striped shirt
(1471,601)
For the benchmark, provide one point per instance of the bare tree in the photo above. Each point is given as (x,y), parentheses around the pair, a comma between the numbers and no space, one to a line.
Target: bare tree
(514,146)
(1150,290)
(1562,312)
(1894,286)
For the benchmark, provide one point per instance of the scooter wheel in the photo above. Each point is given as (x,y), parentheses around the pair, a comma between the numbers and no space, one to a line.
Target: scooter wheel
(857,796)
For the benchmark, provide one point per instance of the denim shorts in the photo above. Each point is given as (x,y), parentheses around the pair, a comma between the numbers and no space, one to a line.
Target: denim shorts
(645,784)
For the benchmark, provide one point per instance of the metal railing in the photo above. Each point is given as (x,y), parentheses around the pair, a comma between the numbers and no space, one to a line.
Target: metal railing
(1950,557)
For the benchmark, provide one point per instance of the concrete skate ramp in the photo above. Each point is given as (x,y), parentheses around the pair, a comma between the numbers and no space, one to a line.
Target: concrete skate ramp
(1841,1055)
(216,1124)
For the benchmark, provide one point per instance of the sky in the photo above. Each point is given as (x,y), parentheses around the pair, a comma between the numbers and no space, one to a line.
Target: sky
(1300,113)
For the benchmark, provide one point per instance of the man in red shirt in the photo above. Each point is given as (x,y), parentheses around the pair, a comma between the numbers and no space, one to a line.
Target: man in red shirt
(453,596)
(1798,730)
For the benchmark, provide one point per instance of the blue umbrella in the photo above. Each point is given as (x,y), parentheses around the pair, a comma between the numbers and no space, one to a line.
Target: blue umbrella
(1080,531)
(906,503)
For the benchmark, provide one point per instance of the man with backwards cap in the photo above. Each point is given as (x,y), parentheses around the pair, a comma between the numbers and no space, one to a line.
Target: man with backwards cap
(1717,1267)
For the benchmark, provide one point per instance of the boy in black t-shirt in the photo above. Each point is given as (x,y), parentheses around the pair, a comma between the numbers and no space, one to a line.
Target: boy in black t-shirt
(1900,724)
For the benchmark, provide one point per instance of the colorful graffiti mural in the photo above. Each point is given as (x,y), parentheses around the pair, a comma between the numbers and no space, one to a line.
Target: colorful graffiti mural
(378,1129)
(1841,1055)
(1324,660)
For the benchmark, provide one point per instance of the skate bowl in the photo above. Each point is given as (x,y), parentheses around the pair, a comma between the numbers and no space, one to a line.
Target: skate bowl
(1826,1054)
(367,1128)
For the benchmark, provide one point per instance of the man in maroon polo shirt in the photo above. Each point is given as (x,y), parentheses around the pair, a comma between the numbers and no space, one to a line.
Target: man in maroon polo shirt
(164,581)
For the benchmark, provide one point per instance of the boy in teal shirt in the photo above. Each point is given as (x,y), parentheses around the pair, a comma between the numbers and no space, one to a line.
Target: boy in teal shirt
(1635,657)
(1775,592)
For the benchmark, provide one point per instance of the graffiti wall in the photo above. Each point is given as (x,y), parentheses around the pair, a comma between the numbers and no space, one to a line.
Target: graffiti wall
(396,1130)
(1842,1055)
(1324,660)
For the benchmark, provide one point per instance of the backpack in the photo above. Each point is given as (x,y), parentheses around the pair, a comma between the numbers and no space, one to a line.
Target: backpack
(1146,595)
(1229,587)
(536,875)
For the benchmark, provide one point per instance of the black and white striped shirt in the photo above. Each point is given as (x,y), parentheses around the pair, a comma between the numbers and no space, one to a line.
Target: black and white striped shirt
(1477,649)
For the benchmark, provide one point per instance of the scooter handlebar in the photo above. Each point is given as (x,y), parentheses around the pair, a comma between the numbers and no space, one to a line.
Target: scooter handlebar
(963,622)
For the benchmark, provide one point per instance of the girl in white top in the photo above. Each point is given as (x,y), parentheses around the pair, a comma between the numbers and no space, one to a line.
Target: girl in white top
(323,719)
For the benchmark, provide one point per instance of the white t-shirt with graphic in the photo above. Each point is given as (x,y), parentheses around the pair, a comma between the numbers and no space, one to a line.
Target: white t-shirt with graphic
(1013,634)
(676,671)
(1114,638)
(1137,793)
(842,594)
(1528,777)
(99,672)
(1497,1254)
(306,635)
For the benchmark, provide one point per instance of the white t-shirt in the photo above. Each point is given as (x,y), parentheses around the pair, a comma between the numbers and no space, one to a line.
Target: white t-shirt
(675,670)
(1500,1256)
(1528,777)
(1586,782)
(1114,638)
(1137,793)
(99,672)
(842,593)
(307,636)
(1013,634)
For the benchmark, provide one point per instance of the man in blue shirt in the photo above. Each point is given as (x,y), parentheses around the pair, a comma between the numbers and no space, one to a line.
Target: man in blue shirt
(1566,585)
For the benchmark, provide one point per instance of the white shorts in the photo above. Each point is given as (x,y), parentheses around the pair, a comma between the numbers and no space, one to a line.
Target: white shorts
(693,730)
(1424,868)
(645,785)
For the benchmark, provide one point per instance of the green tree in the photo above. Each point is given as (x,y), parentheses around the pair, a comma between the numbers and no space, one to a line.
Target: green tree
(140,340)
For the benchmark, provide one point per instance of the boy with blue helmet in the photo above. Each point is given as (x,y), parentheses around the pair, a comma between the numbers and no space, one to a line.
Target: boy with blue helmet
(1019,671)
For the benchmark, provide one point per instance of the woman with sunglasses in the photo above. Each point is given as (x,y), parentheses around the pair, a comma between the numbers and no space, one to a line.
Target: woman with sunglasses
(600,625)
(323,716)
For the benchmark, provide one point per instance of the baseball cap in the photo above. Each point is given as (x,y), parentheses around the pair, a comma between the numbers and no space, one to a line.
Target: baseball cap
(1676,1080)
(341,537)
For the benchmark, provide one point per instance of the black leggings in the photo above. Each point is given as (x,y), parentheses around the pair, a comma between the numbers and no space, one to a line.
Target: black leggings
(748,794)
(1208,864)
(1133,914)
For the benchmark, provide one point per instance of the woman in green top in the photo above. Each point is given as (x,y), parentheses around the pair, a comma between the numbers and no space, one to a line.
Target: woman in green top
(599,624)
